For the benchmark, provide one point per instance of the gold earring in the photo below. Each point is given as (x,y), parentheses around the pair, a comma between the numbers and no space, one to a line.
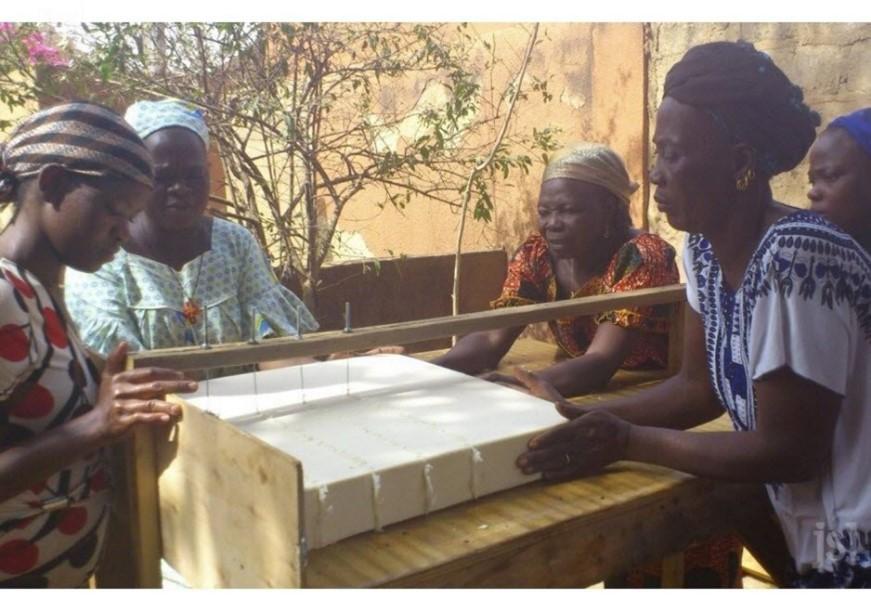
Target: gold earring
(746,178)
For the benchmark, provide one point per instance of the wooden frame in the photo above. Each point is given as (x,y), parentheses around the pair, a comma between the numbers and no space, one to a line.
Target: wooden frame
(199,480)
(317,344)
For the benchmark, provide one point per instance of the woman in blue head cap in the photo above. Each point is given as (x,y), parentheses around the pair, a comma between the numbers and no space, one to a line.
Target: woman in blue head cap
(182,271)
(840,174)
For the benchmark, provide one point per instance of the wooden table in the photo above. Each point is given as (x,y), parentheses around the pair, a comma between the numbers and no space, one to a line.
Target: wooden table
(569,534)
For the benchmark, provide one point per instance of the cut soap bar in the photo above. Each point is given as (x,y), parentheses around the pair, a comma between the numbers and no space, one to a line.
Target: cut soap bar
(382,438)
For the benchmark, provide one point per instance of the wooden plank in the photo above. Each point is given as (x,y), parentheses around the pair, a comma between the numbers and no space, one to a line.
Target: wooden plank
(230,506)
(131,557)
(569,534)
(116,568)
(145,515)
(227,355)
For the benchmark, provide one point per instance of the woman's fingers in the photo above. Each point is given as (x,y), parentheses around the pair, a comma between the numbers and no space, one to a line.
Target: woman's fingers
(549,459)
(563,433)
(149,374)
(131,420)
(501,378)
(386,350)
(116,360)
(538,386)
(150,390)
(543,389)
(569,410)
(151,406)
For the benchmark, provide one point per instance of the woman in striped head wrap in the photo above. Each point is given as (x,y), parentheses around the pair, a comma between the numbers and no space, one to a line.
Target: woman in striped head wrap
(76,174)
(778,333)
(184,272)
(586,246)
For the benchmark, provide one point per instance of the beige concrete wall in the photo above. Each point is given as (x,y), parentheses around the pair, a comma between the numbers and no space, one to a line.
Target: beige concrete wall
(596,75)
(828,60)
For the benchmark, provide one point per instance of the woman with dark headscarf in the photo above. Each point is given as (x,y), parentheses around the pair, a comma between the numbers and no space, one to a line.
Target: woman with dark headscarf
(840,174)
(586,246)
(779,329)
(76,174)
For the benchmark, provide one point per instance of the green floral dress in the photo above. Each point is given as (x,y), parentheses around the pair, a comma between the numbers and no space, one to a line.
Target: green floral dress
(142,301)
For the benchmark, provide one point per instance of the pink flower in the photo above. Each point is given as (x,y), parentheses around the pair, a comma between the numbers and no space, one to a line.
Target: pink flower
(6,30)
(40,53)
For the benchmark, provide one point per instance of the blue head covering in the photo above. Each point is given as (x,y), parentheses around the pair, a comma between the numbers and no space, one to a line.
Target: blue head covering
(858,125)
(148,117)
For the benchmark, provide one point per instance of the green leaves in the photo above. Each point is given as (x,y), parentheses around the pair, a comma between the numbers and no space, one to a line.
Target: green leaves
(310,117)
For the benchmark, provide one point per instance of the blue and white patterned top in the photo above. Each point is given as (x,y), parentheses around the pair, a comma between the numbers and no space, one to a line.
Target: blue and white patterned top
(804,303)
(140,300)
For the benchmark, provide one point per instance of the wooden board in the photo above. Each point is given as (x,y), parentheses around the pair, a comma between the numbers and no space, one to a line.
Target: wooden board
(131,554)
(228,355)
(230,506)
(569,534)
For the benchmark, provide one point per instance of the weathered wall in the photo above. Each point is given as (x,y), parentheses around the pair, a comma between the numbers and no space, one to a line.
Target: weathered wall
(828,60)
(595,73)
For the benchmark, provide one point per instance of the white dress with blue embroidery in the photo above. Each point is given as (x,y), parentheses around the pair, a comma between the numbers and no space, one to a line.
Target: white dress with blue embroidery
(805,304)
(141,301)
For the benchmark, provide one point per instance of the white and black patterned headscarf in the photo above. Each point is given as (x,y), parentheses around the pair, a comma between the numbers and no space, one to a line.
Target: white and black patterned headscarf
(83,137)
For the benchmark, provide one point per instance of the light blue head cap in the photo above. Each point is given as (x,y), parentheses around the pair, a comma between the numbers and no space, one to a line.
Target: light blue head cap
(148,117)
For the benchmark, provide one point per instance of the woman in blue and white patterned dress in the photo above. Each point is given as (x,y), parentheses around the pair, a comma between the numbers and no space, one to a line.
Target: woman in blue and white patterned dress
(779,329)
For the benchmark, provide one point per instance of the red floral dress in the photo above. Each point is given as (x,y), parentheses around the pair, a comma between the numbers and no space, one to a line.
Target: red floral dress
(51,533)
(645,261)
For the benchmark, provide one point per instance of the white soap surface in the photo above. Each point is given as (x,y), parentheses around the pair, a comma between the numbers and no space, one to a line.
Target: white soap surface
(382,438)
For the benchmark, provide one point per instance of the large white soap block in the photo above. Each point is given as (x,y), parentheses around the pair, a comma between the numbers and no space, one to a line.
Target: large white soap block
(382,438)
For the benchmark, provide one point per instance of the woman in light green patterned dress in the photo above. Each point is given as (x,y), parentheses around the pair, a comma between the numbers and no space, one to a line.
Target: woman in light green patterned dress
(182,271)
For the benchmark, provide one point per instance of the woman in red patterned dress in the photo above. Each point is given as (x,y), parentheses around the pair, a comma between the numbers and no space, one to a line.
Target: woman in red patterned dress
(586,246)
(76,174)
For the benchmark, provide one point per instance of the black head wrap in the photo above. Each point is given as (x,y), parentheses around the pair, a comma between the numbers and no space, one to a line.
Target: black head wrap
(750,98)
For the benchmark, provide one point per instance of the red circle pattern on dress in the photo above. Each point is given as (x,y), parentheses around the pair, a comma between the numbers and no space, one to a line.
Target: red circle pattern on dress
(54,329)
(99,481)
(37,403)
(72,520)
(18,556)
(20,285)
(25,522)
(14,345)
